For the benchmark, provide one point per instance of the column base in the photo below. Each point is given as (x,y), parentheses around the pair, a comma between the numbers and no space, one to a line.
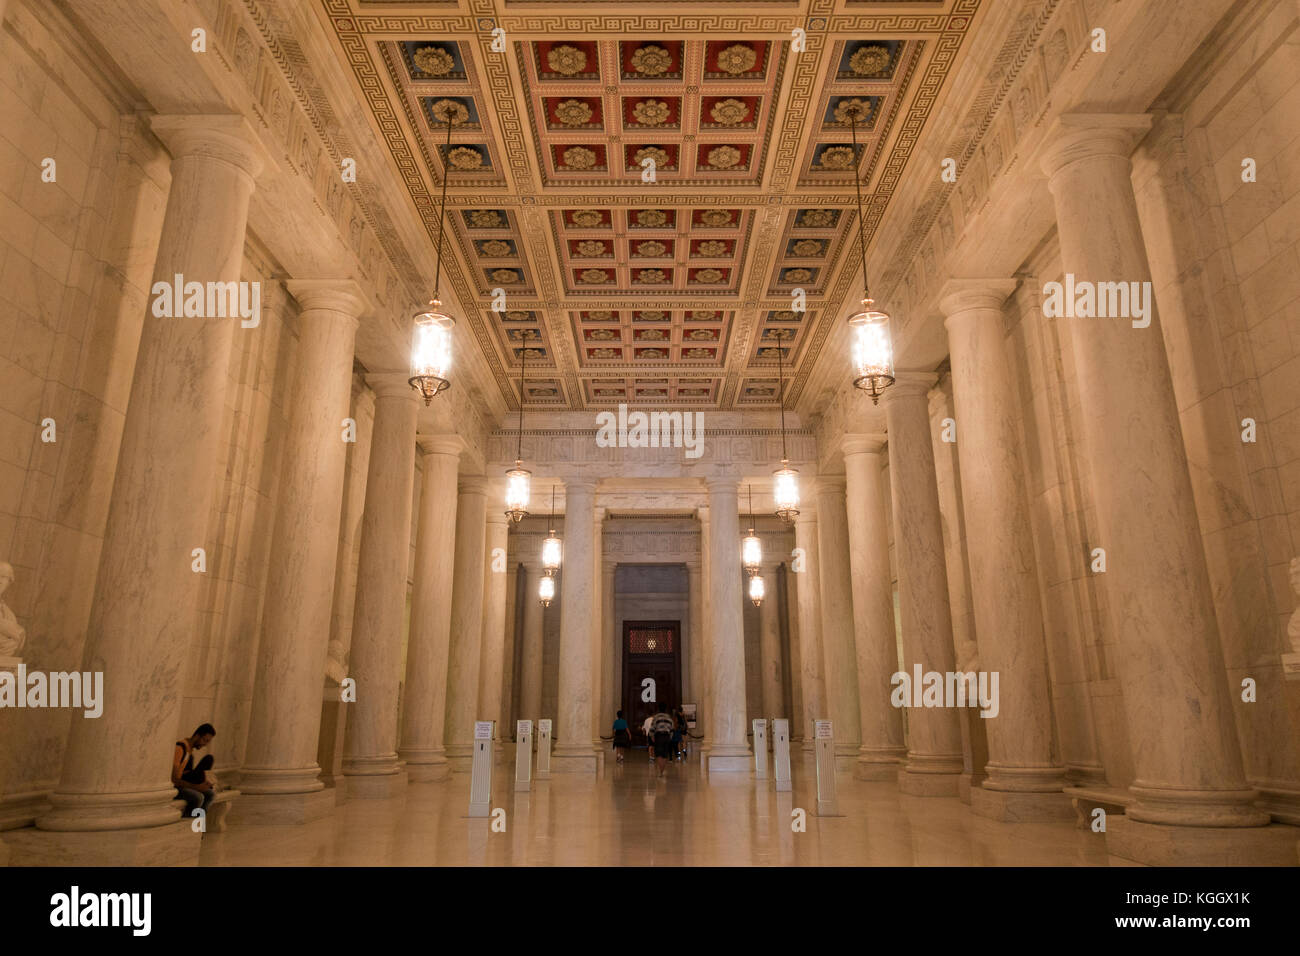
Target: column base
(173,845)
(877,769)
(928,784)
(460,759)
(374,786)
(22,809)
(1013,806)
(729,760)
(967,783)
(283,809)
(1158,845)
(579,761)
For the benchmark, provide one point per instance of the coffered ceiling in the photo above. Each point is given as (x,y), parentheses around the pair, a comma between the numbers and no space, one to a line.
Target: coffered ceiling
(637,192)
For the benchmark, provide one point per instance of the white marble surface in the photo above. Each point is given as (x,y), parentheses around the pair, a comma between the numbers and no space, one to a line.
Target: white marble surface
(466,619)
(839,648)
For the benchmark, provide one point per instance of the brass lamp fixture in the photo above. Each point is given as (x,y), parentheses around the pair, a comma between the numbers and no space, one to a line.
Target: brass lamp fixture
(551,548)
(873,354)
(751,556)
(518,478)
(785,480)
(431,346)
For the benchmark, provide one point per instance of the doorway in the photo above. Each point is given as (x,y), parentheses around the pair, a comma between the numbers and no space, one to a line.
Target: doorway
(650,649)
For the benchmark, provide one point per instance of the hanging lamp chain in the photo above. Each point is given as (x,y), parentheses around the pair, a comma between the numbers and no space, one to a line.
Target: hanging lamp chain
(442,208)
(857,183)
(523,373)
(780,387)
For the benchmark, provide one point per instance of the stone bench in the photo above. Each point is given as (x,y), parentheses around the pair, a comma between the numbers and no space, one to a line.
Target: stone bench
(217,809)
(1086,799)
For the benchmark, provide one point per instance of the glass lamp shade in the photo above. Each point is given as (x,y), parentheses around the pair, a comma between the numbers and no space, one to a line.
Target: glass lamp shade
(751,552)
(517,483)
(431,351)
(873,355)
(546,590)
(785,491)
(756,590)
(551,553)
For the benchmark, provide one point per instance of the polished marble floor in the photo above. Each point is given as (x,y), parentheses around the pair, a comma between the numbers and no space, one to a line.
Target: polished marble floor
(628,816)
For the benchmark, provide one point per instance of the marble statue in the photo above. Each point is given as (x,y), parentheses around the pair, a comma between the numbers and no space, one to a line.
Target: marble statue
(12,634)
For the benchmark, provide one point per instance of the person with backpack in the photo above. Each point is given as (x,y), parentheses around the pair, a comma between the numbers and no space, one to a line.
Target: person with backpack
(191,781)
(622,736)
(661,729)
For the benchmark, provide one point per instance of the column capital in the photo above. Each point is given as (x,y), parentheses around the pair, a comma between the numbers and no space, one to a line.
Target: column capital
(579,484)
(497,517)
(831,484)
(224,137)
(392,385)
(863,444)
(451,445)
(334,295)
(472,485)
(958,296)
(722,486)
(1076,136)
(909,385)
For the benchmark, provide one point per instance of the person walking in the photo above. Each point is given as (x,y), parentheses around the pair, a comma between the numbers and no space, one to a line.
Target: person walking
(661,727)
(622,736)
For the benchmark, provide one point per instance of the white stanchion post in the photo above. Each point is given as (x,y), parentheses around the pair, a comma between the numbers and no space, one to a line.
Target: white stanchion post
(544,749)
(781,753)
(825,769)
(523,755)
(480,781)
(760,748)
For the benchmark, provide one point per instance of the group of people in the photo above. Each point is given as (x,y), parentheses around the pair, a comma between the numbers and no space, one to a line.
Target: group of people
(665,734)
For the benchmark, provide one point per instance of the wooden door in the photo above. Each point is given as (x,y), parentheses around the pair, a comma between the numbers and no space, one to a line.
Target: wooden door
(650,649)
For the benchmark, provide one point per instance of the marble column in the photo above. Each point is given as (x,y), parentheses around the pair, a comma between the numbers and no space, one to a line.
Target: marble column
(492,642)
(1025,778)
(934,754)
(510,656)
(280,780)
(145,607)
(839,644)
(598,633)
(429,641)
(370,764)
(573,749)
(705,710)
(804,565)
(463,657)
(882,751)
(728,745)
(793,676)
(1186,756)
(611,689)
(695,645)
(530,667)
(769,637)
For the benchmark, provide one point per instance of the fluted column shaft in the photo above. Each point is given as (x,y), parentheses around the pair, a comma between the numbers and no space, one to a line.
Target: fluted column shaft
(808,599)
(610,690)
(429,641)
(463,658)
(769,642)
(728,749)
(597,629)
(574,751)
(882,749)
(493,647)
(934,754)
(284,726)
(839,647)
(1008,616)
(695,610)
(146,601)
(530,667)
(1187,759)
(370,742)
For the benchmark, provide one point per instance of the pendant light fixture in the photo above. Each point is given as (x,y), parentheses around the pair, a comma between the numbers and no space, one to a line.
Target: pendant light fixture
(751,556)
(431,346)
(785,480)
(519,477)
(546,590)
(551,548)
(873,359)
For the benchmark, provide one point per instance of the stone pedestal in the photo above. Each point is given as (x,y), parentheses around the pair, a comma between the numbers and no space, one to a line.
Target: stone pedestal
(934,755)
(881,754)
(428,643)
(1158,845)
(1189,773)
(728,750)
(144,610)
(284,726)
(370,763)
(466,621)
(1023,769)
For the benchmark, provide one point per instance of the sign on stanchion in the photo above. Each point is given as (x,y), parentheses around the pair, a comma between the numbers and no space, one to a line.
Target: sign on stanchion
(523,755)
(825,769)
(781,753)
(544,749)
(480,781)
(760,748)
